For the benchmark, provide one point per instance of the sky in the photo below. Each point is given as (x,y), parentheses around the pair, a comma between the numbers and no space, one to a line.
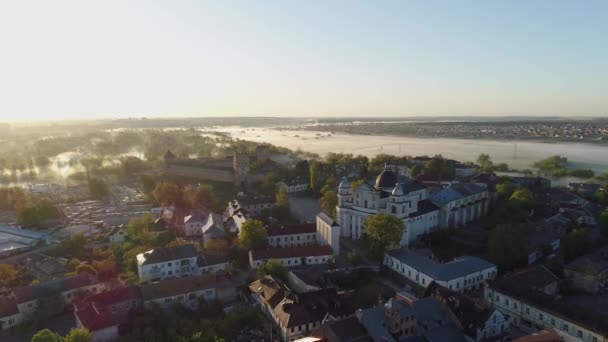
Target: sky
(105,59)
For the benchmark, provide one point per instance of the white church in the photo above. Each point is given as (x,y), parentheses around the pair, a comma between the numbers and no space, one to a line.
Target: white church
(421,208)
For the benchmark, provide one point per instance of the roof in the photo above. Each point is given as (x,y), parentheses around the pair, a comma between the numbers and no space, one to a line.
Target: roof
(195,218)
(8,306)
(445,333)
(326,219)
(271,290)
(591,264)
(373,319)
(291,252)
(292,229)
(53,287)
(429,313)
(209,259)
(433,178)
(163,254)
(526,285)
(455,192)
(386,179)
(347,329)
(178,286)
(248,200)
(545,335)
(214,224)
(94,318)
(441,271)
(424,207)
(115,296)
(313,306)
(470,314)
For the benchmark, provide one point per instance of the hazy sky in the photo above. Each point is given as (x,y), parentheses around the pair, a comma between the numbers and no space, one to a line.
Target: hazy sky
(85,59)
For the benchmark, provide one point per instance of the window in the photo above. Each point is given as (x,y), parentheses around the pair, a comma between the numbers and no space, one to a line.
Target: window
(553,321)
(540,317)
(579,334)
(565,327)
(169,264)
(527,311)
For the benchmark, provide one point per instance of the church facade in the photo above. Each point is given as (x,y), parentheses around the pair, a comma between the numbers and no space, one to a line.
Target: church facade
(392,193)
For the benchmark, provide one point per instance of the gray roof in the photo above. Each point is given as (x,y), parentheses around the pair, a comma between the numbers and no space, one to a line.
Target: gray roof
(445,333)
(456,268)
(215,224)
(455,192)
(328,220)
(429,313)
(170,253)
(373,319)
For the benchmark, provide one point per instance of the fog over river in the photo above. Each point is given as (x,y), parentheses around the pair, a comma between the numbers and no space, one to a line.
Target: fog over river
(518,154)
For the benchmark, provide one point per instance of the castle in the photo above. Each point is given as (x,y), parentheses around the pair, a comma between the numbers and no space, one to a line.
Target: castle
(234,169)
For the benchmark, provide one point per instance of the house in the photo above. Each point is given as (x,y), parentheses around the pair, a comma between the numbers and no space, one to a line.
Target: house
(292,235)
(293,256)
(460,203)
(589,273)
(102,314)
(56,294)
(328,232)
(252,204)
(189,291)
(464,171)
(193,225)
(208,263)
(118,234)
(479,323)
(214,227)
(391,194)
(543,240)
(341,330)
(460,274)
(530,298)
(293,185)
(584,189)
(298,315)
(167,262)
(234,223)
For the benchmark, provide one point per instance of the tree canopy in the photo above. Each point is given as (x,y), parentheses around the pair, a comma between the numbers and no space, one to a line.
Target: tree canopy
(384,232)
(253,235)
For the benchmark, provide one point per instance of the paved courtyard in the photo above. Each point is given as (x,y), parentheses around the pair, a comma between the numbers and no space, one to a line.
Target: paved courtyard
(304,208)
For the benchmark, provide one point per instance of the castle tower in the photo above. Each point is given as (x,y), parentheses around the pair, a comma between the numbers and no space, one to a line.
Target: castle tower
(344,192)
(240,164)
(262,153)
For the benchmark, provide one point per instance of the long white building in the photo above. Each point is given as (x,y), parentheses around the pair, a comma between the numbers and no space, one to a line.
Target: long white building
(463,273)
(392,194)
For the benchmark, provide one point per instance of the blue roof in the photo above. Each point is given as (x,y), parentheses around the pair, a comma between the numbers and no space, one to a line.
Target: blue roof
(373,319)
(456,268)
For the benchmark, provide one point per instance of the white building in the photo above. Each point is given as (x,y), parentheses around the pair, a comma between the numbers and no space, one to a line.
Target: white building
(329,232)
(293,235)
(391,194)
(188,291)
(531,300)
(293,185)
(460,203)
(252,204)
(293,256)
(463,273)
(193,224)
(20,306)
(169,262)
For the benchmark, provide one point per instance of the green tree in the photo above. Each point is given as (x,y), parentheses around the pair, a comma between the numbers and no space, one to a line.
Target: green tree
(384,232)
(273,268)
(253,235)
(582,173)
(46,335)
(315,170)
(282,198)
(98,188)
(328,202)
(415,171)
(138,229)
(506,245)
(602,221)
(439,167)
(505,190)
(354,258)
(78,335)
(485,163)
(575,244)
(522,201)
(8,275)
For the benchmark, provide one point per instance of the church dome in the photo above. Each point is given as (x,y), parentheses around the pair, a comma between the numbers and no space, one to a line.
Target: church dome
(386,179)
(344,184)
(398,190)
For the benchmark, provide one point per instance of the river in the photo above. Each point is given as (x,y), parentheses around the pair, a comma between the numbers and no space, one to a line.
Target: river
(517,154)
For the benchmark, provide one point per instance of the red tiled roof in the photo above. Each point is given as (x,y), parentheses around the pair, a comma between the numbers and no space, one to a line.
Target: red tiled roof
(293,229)
(177,286)
(94,318)
(291,252)
(116,296)
(28,293)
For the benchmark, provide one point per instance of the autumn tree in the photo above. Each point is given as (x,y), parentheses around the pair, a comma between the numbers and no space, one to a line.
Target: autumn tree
(46,335)
(383,232)
(78,335)
(253,235)
(328,202)
(201,196)
(273,268)
(167,193)
(8,275)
